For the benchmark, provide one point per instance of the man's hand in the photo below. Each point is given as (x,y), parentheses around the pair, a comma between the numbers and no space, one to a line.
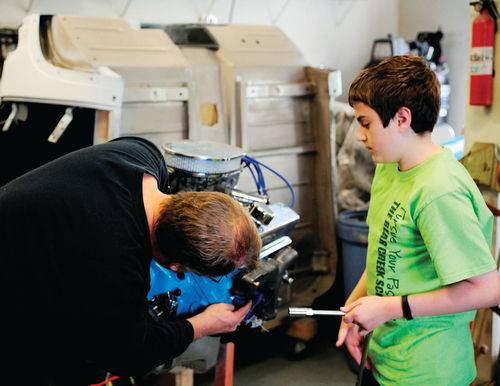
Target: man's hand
(217,319)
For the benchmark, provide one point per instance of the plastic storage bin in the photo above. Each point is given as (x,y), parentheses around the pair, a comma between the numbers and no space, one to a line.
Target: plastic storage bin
(352,231)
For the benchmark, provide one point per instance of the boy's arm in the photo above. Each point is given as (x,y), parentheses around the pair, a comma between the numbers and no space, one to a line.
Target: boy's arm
(477,292)
(359,291)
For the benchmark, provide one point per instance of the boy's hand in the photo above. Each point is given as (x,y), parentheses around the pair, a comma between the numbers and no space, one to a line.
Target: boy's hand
(350,335)
(369,312)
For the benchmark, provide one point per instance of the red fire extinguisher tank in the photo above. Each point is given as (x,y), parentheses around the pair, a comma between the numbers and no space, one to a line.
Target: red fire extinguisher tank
(481,59)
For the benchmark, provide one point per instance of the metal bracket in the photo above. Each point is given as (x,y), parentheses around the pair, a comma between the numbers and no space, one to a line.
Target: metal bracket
(335,83)
(279,90)
(156,94)
(19,113)
(62,125)
(10,118)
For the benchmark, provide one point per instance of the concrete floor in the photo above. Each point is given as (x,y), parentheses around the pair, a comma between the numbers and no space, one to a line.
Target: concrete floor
(263,359)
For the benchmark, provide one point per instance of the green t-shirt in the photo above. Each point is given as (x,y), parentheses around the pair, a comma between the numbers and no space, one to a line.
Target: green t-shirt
(428,227)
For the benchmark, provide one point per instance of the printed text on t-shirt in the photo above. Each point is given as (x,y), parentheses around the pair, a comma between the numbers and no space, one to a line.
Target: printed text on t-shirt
(387,257)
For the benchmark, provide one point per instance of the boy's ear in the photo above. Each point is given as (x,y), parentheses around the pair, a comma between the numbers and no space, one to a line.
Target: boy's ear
(403,118)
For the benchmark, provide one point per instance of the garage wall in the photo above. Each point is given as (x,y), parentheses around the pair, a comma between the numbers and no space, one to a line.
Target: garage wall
(453,17)
(332,33)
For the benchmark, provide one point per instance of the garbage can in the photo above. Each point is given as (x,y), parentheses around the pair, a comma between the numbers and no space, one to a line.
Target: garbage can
(352,231)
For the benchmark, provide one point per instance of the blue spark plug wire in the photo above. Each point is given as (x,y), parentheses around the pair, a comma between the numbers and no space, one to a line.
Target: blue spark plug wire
(258,176)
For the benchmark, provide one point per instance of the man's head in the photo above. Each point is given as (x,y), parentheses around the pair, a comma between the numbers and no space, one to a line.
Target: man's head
(400,81)
(208,233)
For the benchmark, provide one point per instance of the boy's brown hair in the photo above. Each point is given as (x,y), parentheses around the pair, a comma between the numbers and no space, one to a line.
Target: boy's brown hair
(209,233)
(400,81)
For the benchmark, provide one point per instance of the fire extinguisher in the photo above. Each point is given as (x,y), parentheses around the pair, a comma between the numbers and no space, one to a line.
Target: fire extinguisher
(481,53)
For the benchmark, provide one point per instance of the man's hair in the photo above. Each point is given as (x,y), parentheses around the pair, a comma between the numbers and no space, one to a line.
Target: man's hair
(209,233)
(400,81)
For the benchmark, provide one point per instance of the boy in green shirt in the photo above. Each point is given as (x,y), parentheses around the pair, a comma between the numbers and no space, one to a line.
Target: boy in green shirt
(429,264)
